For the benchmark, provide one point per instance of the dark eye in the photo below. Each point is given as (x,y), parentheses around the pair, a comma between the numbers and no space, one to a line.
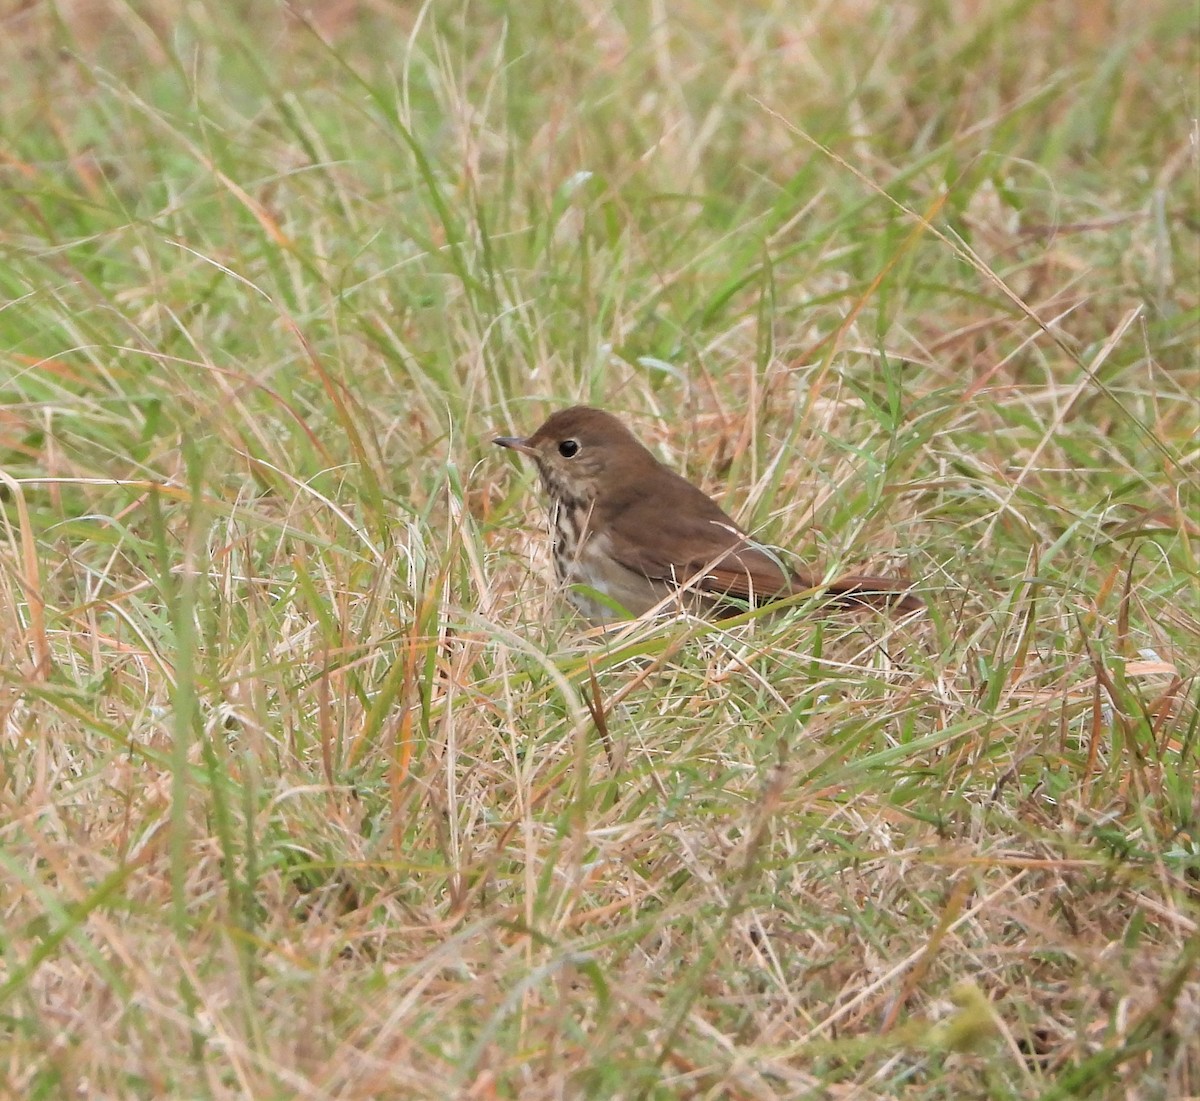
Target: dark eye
(568,448)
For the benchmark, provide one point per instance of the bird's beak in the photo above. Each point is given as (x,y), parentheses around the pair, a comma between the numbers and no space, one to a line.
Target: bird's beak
(516,443)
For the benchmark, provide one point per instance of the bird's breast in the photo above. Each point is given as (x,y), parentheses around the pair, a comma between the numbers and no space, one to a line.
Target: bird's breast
(595,581)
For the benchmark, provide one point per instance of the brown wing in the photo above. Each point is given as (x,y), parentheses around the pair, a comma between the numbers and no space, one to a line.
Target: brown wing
(693,541)
(696,541)
(714,560)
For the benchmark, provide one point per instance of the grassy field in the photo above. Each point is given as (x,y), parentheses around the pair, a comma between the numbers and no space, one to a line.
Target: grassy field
(310,784)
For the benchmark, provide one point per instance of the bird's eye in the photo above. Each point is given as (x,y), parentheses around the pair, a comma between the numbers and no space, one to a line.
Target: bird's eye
(568,448)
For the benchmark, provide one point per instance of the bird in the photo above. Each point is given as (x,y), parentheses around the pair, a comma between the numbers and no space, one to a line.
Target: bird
(631,535)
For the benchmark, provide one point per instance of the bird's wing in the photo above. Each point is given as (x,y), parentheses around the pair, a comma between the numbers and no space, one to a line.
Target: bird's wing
(700,545)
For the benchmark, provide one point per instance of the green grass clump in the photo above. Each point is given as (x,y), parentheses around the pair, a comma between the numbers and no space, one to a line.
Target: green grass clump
(311,786)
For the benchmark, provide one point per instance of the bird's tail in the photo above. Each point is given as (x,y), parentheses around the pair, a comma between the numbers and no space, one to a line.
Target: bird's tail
(856,591)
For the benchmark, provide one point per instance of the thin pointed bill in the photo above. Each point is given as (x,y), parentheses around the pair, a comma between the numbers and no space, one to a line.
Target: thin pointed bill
(515,443)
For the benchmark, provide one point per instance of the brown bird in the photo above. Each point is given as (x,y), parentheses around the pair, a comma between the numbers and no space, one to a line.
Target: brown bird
(630,533)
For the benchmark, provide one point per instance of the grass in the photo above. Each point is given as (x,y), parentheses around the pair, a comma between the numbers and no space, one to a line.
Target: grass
(310,784)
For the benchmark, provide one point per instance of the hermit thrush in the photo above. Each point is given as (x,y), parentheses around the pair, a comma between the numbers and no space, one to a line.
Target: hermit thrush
(630,534)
